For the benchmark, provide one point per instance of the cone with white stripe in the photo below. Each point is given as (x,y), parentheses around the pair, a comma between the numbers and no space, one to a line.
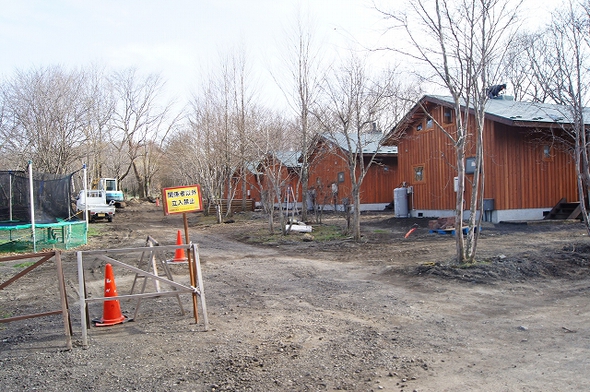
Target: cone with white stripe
(111,314)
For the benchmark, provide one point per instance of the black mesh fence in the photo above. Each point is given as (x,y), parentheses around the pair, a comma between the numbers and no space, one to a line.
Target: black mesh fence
(52,195)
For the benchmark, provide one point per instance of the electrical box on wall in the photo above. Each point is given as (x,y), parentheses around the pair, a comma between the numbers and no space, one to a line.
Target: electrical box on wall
(456,184)
(470,165)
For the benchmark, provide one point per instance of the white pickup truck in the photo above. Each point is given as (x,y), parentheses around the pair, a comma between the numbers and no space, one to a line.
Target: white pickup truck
(98,208)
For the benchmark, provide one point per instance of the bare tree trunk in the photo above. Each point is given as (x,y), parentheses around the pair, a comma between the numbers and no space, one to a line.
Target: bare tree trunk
(140,181)
(459,204)
(218,213)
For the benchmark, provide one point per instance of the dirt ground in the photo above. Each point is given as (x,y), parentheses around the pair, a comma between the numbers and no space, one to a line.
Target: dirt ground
(390,313)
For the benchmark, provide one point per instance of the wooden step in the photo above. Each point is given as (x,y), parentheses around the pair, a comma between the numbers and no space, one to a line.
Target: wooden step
(565,210)
(236,206)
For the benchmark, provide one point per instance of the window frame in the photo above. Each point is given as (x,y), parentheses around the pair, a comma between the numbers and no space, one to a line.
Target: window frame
(429,123)
(547,152)
(450,117)
(415,169)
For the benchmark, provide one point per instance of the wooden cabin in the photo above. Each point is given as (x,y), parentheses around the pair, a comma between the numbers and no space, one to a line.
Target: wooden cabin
(329,179)
(527,170)
(252,188)
(281,168)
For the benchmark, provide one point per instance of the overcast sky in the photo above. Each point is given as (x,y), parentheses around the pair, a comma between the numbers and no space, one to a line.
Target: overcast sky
(180,39)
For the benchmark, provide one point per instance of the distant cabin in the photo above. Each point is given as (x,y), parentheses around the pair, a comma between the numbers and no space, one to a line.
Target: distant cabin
(329,175)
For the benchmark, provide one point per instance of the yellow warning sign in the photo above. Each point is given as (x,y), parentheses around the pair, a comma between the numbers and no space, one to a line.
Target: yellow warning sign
(182,199)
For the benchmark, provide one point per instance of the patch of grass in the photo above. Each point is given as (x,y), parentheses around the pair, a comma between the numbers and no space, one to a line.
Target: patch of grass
(93,231)
(380,231)
(201,219)
(320,233)
(24,265)
(328,233)
(472,265)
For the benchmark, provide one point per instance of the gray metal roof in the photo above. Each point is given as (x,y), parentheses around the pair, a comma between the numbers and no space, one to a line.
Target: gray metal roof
(525,113)
(288,158)
(369,143)
(252,167)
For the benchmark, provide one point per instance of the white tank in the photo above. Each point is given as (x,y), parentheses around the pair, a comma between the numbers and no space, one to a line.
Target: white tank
(400,202)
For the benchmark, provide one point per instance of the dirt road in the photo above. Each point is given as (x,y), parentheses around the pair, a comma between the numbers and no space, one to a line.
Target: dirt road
(387,314)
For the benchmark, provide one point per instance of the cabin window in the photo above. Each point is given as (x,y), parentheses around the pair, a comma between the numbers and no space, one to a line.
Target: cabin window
(341,177)
(419,127)
(429,123)
(448,116)
(547,153)
(419,173)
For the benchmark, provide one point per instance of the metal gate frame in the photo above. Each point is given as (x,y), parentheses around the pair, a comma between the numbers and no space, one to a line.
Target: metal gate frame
(196,287)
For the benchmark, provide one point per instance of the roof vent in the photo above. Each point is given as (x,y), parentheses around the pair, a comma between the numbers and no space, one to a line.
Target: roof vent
(374,128)
(556,118)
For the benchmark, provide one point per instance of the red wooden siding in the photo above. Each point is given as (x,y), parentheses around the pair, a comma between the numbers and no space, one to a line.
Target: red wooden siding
(251,185)
(434,152)
(288,177)
(328,162)
(516,175)
(258,184)
(380,181)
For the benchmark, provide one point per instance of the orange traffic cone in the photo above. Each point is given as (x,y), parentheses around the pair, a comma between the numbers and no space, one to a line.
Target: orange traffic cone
(111,314)
(179,255)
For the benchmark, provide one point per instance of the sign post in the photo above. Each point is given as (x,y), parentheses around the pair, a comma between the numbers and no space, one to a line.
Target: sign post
(181,200)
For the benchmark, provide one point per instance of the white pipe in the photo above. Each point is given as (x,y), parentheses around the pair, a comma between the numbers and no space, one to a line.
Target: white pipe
(82,295)
(10,195)
(85,196)
(32,197)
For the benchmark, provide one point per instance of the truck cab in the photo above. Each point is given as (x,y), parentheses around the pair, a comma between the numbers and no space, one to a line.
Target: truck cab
(96,202)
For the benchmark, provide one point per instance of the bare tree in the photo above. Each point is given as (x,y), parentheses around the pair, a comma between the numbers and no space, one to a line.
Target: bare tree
(242,108)
(222,116)
(302,60)
(209,144)
(152,152)
(560,61)
(137,122)
(7,134)
(462,44)
(46,114)
(518,69)
(274,173)
(354,104)
(101,105)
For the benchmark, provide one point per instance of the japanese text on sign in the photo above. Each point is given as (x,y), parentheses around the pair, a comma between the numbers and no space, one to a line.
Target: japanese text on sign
(182,199)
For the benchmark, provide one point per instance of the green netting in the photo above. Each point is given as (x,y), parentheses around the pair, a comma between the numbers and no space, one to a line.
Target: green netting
(55,223)
(16,237)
